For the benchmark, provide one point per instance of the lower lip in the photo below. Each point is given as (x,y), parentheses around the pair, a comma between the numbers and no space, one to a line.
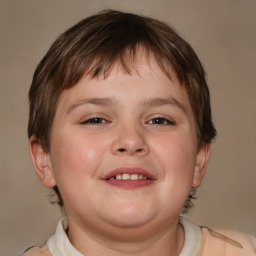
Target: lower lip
(130,184)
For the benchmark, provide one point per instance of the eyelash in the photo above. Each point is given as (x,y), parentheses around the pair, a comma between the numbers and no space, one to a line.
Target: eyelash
(154,121)
(91,120)
(161,121)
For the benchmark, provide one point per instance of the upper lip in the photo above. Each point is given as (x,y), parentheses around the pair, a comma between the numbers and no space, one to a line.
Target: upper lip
(129,170)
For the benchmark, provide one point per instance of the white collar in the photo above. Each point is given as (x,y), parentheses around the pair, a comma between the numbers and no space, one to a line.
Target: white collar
(59,244)
(193,237)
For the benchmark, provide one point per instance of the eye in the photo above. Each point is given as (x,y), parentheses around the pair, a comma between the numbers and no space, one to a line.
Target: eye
(95,121)
(161,121)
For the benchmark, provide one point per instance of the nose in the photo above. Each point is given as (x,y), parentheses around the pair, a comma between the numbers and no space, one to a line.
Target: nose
(130,140)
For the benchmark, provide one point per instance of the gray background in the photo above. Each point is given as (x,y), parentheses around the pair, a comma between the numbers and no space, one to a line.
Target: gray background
(223,33)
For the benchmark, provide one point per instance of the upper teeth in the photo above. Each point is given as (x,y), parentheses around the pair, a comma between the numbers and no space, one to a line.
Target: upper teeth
(126,176)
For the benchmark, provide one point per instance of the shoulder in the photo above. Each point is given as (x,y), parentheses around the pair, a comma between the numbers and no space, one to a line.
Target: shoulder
(226,243)
(37,251)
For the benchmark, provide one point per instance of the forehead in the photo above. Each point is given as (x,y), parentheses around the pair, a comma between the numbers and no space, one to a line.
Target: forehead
(146,82)
(142,66)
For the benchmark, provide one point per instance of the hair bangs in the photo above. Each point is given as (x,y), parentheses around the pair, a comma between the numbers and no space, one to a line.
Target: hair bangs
(96,57)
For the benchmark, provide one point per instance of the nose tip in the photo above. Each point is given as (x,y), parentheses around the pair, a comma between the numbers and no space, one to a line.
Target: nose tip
(130,142)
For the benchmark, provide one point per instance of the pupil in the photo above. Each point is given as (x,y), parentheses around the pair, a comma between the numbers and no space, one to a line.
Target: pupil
(158,121)
(95,120)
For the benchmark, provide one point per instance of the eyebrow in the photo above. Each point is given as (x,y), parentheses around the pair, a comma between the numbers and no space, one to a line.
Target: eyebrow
(155,102)
(93,101)
(151,102)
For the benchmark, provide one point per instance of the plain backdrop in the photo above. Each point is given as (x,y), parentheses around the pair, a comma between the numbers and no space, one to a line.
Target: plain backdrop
(223,33)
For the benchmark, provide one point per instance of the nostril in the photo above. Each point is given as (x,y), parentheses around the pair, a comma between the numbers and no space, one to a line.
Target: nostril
(124,150)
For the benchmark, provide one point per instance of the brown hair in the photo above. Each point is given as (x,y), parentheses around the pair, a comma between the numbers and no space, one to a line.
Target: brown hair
(94,45)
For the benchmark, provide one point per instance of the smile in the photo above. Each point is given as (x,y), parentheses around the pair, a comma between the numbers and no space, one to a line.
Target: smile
(129,178)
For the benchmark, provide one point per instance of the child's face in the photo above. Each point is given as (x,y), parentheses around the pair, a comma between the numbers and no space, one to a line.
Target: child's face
(141,124)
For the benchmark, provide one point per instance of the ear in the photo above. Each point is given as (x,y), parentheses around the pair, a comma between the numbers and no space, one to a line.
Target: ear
(42,162)
(202,158)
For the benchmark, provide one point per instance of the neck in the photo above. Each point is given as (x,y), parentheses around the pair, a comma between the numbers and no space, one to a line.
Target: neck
(142,241)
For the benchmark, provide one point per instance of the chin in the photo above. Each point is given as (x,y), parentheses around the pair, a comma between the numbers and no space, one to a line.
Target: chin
(130,217)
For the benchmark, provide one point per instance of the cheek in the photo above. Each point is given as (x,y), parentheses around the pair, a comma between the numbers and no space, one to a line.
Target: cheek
(76,154)
(177,155)
(76,160)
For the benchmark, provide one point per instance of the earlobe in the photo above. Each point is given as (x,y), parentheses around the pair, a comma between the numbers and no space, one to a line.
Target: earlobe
(202,158)
(42,162)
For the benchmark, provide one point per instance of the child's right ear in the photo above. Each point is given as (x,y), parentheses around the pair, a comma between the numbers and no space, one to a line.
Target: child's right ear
(42,162)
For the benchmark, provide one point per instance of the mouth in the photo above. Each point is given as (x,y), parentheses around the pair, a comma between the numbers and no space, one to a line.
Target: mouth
(129,177)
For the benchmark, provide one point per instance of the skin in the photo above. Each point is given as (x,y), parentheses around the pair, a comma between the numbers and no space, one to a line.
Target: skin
(146,122)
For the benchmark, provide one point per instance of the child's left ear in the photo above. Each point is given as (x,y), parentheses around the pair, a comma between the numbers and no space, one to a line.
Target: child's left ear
(202,158)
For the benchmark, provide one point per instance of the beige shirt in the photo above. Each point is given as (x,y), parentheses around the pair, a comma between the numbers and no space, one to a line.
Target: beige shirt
(59,244)
(198,242)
